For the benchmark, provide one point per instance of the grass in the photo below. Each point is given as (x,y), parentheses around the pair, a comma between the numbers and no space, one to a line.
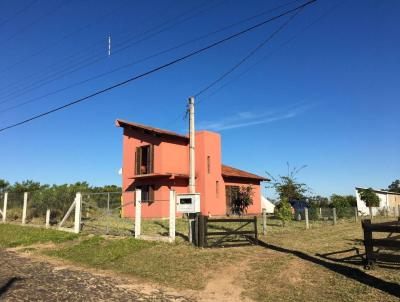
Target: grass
(292,267)
(16,235)
(169,264)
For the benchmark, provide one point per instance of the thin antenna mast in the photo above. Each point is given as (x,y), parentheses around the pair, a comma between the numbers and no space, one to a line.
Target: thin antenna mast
(109,45)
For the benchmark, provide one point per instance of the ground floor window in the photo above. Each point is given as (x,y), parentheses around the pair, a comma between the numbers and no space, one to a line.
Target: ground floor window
(147,193)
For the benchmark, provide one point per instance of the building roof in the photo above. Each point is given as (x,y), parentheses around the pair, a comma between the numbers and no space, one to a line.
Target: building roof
(228,171)
(379,191)
(152,130)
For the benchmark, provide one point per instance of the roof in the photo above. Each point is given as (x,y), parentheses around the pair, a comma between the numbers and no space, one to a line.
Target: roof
(228,171)
(379,191)
(152,130)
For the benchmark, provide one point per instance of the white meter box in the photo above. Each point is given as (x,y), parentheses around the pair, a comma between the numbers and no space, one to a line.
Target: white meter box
(188,203)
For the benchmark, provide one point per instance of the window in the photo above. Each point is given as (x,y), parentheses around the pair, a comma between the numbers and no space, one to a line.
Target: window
(217,188)
(147,193)
(144,163)
(208,164)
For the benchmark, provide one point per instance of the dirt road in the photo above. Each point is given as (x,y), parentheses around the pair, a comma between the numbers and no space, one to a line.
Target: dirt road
(23,279)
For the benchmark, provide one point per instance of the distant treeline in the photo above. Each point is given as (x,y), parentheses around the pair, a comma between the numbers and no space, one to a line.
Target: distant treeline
(58,198)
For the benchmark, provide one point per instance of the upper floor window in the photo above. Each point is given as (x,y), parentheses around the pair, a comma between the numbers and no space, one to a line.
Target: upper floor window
(144,160)
(208,164)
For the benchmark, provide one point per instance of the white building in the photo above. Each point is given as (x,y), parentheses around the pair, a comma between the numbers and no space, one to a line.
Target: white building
(267,205)
(388,201)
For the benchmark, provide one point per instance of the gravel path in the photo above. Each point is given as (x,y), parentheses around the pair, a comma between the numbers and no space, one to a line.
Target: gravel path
(22,279)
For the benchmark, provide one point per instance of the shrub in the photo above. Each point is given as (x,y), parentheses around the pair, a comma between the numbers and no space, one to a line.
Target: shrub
(241,200)
(284,211)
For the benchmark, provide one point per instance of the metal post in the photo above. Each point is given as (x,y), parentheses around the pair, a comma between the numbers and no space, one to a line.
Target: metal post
(5,206)
(306,218)
(264,216)
(138,212)
(47,218)
(108,213)
(355,214)
(334,216)
(78,208)
(172,202)
(192,180)
(24,207)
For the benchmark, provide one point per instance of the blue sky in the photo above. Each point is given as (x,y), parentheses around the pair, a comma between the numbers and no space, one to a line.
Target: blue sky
(325,95)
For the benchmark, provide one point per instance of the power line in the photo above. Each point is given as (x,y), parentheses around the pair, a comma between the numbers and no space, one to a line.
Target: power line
(37,20)
(173,62)
(248,56)
(55,76)
(66,36)
(124,66)
(286,42)
(17,13)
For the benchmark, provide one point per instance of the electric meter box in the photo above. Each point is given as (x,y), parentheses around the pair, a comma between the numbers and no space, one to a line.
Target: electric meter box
(188,203)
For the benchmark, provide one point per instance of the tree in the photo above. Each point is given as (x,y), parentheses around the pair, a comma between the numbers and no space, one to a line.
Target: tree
(342,203)
(318,201)
(284,211)
(370,199)
(287,187)
(241,200)
(395,186)
(25,186)
(4,185)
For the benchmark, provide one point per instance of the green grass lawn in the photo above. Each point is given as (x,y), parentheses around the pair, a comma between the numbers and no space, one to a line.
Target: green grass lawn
(15,235)
(289,264)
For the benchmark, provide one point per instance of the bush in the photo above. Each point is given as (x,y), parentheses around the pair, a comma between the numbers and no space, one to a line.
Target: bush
(284,211)
(242,199)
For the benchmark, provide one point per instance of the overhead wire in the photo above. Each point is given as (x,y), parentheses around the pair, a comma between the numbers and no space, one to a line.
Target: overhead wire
(84,63)
(124,66)
(156,69)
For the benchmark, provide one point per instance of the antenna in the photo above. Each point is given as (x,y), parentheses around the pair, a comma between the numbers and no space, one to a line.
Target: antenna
(109,45)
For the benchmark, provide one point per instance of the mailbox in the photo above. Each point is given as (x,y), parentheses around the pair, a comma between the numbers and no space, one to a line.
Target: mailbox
(188,203)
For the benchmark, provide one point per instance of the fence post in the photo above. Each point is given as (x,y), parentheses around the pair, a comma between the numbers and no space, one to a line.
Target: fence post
(255,230)
(138,212)
(334,216)
(5,206)
(366,225)
(355,214)
(320,213)
(398,211)
(108,213)
(78,208)
(306,218)
(24,207)
(264,217)
(172,210)
(47,218)
(205,226)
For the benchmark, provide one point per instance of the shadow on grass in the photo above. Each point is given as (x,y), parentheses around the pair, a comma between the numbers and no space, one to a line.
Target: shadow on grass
(349,272)
(6,286)
(183,236)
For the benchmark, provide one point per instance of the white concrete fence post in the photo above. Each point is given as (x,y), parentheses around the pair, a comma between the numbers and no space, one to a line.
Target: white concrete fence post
(5,207)
(172,215)
(78,214)
(334,216)
(138,212)
(264,217)
(47,218)
(306,218)
(24,207)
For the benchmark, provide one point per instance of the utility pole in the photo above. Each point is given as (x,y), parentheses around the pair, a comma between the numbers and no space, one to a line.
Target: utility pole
(192,173)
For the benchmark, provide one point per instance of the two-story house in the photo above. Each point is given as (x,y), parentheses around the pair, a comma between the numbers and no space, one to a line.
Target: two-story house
(157,160)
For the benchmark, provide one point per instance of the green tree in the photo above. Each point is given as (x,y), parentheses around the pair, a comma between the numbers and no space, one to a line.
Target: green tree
(241,200)
(370,199)
(395,186)
(26,186)
(4,185)
(342,204)
(287,187)
(284,211)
